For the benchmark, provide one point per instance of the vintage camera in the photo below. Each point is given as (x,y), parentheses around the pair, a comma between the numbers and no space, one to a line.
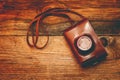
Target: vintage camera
(85,44)
(81,37)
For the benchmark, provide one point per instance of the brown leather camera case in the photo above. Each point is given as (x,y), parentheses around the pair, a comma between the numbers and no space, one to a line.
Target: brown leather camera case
(83,28)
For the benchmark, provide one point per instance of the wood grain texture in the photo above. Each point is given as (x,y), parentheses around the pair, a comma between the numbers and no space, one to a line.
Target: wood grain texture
(15,15)
(105,14)
(68,3)
(18,61)
(56,62)
(16,27)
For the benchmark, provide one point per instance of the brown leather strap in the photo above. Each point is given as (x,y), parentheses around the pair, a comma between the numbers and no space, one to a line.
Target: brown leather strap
(37,27)
(38,20)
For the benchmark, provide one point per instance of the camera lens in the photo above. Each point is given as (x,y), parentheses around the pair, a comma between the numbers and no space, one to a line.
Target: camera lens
(84,43)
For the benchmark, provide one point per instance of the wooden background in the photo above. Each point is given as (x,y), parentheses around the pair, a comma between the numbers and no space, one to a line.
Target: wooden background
(56,62)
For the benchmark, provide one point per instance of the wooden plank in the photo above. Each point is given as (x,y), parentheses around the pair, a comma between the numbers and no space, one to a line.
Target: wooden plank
(55,62)
(27,4)
(94,3)
(103,14)
(19,27)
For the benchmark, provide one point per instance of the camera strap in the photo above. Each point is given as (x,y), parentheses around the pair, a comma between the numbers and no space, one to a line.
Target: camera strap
(37,21)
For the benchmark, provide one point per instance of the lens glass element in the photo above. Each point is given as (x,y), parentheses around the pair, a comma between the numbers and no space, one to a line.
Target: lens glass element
(84,43)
